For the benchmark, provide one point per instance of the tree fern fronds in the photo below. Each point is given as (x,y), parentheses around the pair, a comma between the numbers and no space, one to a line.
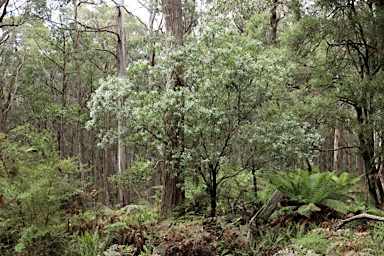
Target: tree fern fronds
(310,190)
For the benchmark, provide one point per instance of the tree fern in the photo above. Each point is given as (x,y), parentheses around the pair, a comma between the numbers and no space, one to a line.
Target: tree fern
(311,190)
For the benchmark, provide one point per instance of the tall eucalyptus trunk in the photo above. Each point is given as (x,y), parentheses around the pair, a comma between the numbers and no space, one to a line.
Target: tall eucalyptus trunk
(79,96)
(173,180)
(121,65)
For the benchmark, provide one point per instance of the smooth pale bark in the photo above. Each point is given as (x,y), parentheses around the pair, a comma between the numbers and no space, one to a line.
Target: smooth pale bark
(336,152)
(121,65)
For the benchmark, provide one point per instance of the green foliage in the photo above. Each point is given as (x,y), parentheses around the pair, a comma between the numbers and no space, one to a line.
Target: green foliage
(229,81)
(309,190)
(377,241)
(196,201)
(137,176)
(84,220)
(313,241)
(36,187)
(140,214)
(89,243)
(119,250)
(238,196)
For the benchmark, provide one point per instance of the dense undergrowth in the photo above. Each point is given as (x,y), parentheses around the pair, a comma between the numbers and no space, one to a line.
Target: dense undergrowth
(43,211)
(136,230)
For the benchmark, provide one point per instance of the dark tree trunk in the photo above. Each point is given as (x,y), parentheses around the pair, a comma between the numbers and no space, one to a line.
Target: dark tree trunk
(3,114)
(172,192)
(366,146)
(213,192)
(273,22)
(173,181)
(106,166)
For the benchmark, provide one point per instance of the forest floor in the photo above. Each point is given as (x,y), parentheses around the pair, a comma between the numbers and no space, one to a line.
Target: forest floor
(138,232)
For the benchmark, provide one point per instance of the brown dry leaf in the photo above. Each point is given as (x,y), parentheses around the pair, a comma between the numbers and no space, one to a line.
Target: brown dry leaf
(207,234)
(350,253)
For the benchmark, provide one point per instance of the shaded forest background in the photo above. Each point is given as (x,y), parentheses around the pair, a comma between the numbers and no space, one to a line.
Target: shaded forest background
(196,110)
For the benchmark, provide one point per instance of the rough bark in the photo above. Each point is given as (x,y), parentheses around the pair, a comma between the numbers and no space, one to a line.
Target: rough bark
(151,33)
(3,113)
(106,167)
(213,191)
(174,31)
(172,192)
(367,145)
(273,22)
(173,181)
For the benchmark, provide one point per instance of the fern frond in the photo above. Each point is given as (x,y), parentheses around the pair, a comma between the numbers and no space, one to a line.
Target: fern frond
(304,210)
(336,205)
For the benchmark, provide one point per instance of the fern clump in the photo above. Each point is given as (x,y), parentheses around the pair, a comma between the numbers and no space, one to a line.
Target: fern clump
(310,191)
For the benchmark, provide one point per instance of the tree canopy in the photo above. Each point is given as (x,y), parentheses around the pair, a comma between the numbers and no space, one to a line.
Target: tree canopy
(204,109)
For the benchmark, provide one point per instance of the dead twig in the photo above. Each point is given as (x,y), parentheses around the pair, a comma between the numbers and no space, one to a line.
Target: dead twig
(360,216)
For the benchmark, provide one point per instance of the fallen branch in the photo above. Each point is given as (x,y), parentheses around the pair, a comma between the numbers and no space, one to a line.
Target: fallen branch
(360,216)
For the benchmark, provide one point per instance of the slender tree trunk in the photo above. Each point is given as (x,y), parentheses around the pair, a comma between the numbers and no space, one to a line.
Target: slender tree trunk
(273,22)
(3,116)
(63,102)
(79,128)
(336,152)
(120,52)
(152,16)
(213,190)
(80,131)
(106,166)
(156,178)
(6,100)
